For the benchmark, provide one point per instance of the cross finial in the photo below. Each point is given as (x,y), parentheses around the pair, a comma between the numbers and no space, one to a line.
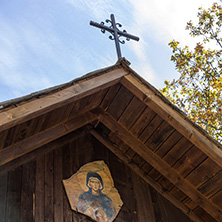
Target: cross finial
(115,32)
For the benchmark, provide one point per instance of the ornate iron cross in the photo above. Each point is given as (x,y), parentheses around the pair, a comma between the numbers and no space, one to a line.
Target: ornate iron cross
(116,33)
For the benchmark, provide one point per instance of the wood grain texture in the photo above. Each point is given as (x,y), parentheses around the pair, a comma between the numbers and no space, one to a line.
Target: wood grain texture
(161,166)
(174,118)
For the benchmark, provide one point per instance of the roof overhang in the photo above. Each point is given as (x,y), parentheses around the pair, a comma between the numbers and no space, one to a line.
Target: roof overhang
(131,118)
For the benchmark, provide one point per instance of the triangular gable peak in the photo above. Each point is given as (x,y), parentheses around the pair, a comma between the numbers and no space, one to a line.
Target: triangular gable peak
(133,120)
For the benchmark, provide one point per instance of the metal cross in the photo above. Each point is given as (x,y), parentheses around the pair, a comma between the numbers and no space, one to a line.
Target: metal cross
(116,33)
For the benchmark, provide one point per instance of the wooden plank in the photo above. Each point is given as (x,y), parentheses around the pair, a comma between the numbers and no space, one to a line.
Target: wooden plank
(168,144)
(132,112)
(14,195)
(49,188)
(217,199)
(150,129)
(3,136)
(145,210)
(22,131)
(109,96)
(212,186)
(9,137)
(161,166)
(144,176)
(44,149)
(204,215)
(159,136)
(25,146)
(66,173)
(203,172)
(39,189)
(177,151)
(28,189)
(58,187)
(60,98)
(189,161)
(143,120)
(86,104)
(178,194)
(165,183)
(139,160)
(120,102)
(3,196)
(174,118)
(156,175)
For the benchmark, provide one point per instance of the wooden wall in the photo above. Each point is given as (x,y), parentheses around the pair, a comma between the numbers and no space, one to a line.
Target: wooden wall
(33,191)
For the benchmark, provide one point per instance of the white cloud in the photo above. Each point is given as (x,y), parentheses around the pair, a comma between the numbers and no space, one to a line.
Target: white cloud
(165,20)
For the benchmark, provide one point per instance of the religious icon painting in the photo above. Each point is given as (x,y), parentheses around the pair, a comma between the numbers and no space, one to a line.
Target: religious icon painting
(91,192)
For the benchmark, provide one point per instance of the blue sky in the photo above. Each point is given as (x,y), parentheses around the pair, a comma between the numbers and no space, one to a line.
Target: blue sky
(49,42)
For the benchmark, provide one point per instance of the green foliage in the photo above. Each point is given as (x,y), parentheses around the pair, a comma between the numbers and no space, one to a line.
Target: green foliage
(198,91)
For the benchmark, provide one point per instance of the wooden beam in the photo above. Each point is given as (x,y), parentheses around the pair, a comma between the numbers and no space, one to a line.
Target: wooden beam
(44,149)
(174,118)
(31,143)
(81,89)
(145,176)
(154,160)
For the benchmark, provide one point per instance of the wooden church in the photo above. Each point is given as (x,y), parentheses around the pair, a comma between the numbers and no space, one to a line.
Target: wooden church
(165,168)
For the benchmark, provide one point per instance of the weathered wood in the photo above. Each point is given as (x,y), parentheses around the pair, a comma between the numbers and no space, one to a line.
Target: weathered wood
(212,186)
(116,107)
(143,120)
(14,195)
(189,161)
(44,149)
(203,172)
(3,136)
(48,187)
(109,96)
(217,199)
(132,112)
(150,128)
(144,176)
(159,136)
(3,196)
(144,200)
(168,144)
(14,151)
(161,166)
(28,190)
(177,151)
(173,117)
(68,95)
(39,189)
(58,188)
(204,215)
(66,173)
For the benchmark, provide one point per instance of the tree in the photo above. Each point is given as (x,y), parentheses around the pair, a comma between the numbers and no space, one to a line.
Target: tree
(198,90)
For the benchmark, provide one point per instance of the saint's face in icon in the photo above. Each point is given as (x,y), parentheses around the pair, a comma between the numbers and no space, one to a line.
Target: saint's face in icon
(95,185)
(93,202)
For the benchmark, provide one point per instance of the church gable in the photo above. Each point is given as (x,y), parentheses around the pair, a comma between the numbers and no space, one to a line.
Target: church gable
(129,117)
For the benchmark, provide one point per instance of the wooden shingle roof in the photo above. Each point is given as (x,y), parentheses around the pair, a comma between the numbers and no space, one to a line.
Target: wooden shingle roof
(133,120)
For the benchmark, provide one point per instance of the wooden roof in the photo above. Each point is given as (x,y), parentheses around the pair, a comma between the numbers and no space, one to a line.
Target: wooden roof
(135,122)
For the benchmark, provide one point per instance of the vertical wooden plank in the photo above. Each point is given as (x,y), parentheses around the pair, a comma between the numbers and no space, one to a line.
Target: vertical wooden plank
(66,172)
(28,189)
(14,195)
(58,189)
(145,210)
(39,189)
(49,187)
(3,196)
